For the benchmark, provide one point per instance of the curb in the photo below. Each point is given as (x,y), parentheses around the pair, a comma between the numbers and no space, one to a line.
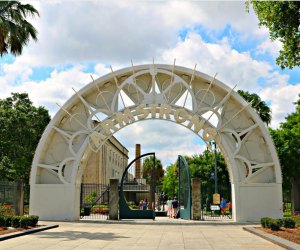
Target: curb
(25,232)
(167,223)
(274,239)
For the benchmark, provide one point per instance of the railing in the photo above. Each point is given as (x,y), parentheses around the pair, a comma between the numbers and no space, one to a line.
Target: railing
(94,203)
(136,188)
(14,196)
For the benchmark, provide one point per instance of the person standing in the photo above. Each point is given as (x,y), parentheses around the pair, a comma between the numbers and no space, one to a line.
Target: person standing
(170,209)
(175,207)
(145,204)
(141,205)
(223,206)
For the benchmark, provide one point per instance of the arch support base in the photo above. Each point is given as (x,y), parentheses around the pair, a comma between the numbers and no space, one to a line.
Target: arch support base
(255,201)
(55,202)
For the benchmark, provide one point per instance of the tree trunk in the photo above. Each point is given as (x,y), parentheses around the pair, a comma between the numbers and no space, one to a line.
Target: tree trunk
(20,195)
(295,181)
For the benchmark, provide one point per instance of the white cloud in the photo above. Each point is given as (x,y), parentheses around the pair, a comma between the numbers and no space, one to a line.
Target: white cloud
(116,31)
(13,74)
(166,139)
(101,69)
(55,89)
(232,66)
(113,32)
(282,96)
(270,47)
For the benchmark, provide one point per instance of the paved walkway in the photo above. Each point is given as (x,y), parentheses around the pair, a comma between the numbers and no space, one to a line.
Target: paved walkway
(140,235)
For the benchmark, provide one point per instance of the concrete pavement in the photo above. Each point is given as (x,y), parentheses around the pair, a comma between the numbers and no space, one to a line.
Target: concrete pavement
(140,235)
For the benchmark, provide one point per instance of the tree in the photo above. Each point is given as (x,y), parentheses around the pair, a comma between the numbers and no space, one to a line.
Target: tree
(170,180)
(21,126)
(201,166)
(287,142)
(15,30)
(148,170)
(282,18)
(261,108)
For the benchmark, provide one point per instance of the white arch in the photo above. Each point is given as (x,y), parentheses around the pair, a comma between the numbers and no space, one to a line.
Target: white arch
(154,89)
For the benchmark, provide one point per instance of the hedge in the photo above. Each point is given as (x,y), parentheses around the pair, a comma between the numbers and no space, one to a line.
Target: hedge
(18,221)
(289,223)
(275,224)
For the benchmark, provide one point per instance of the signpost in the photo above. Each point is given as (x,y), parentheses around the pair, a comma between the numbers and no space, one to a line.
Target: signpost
(214,207)
(216,199)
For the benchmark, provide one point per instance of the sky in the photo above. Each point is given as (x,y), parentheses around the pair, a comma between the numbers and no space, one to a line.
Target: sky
(80,38)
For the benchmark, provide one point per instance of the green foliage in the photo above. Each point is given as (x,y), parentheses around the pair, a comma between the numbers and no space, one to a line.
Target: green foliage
(132,205)
(266,222)
(7,221)
(15,30)
(275,225)
(2,221)
(170,181)
(91,198)
(147,170)
(25,222)
(34,219)
(18,221)
(101,206)
(15,221)
(282,18)
(201,166)
(261,108)
(296,218)
(21,126)
(288,223)
(287,143)
(6,209)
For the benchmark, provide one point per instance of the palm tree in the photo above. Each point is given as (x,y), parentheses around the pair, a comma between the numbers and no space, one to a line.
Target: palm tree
(148,170)
(15,30)
(262,109)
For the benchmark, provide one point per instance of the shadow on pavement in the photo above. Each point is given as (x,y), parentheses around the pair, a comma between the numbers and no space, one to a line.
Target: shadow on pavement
(73,235)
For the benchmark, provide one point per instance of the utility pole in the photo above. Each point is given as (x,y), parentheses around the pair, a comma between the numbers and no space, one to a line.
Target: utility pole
(216,173)
(216,195)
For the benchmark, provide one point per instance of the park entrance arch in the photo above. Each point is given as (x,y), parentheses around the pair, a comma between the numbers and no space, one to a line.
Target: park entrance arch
(201,103)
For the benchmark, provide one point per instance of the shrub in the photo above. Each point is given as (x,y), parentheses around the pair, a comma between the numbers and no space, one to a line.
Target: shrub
(25,221)
(34,219)
(275,225)
(18,221)
(7,209)
(280,222)
(289,223)
(7,221)
(265,222)
(296,218)
(15,221)
(2,221)
(91,198)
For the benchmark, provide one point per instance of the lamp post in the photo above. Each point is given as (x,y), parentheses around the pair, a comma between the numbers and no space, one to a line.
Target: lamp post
(216,174)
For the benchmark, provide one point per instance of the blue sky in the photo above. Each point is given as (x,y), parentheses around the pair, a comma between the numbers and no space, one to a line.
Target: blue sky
(217,36)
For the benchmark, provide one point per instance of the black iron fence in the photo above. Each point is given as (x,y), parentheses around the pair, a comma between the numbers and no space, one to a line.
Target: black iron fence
(14,197)
(212,211)
(94,202)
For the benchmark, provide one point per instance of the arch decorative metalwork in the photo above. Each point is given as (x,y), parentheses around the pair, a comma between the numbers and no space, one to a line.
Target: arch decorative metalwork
(124,211)
(184,189)
(199,102)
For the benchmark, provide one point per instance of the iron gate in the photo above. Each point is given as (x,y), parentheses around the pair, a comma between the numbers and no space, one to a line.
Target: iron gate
(211,211)
(126,212)
(94,202)
(184,189)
